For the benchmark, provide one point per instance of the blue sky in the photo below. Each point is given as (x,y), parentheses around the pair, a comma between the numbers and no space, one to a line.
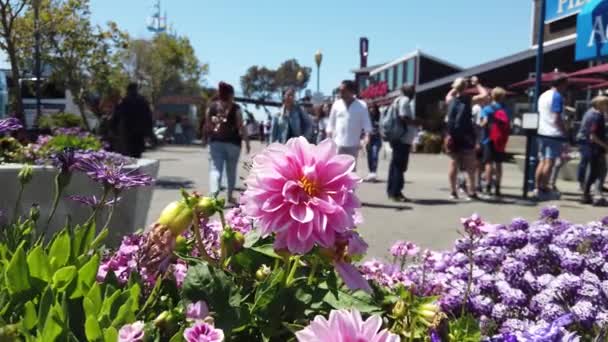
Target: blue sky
(233,35)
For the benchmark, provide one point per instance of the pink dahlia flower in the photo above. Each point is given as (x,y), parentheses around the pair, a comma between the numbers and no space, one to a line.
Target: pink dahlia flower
(302,193)
(203,332)
(346,326)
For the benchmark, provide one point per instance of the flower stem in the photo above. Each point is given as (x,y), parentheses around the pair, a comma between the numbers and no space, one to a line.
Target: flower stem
(112,207)
(93,216)
(292,272)
(313,271)
(222,219)
(18,203)
(199,240)
(58,191)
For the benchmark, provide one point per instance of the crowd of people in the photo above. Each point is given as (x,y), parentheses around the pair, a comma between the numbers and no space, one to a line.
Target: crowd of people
(478,125)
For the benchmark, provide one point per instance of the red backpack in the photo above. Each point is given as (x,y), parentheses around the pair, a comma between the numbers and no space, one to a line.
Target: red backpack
(499,130)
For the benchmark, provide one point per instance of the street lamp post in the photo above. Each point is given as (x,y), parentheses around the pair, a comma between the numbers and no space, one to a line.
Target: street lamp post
(37,67)
(318,60)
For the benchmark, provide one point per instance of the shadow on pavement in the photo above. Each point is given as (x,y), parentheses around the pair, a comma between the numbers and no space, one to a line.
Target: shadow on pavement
(174,183)
(386,206)
(434,202)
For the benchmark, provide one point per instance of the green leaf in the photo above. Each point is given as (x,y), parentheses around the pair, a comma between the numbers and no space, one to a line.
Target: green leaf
(38,264)
(267,250)
(46,301)
(268,290)
(92,302)
(86,276)
(106,307)
(17,274)
(178,337)
(63,277)
(251,238)
(59,252)
(358,300)
(53,326)
(92,329)
(110,334)
(30,318)
(83,236)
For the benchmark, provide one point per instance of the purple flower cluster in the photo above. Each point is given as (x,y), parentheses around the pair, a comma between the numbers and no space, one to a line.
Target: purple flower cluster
(524,275)
(404,248)
(113,176)
(9,125)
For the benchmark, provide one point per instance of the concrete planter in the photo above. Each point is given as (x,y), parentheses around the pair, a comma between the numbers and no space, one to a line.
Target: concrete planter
(567,172)
(129,215)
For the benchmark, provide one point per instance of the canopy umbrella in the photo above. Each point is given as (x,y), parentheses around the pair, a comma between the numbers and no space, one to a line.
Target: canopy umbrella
(601,69)
(603,85)
(552,76)
(472,91)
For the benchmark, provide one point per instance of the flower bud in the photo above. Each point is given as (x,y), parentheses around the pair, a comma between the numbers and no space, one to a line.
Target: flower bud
(25,175)
(181,244)
(231,241)
(35,212)
(262,273)
(206,206)
(163,319)
(428,311)
(399,309)
(177,216)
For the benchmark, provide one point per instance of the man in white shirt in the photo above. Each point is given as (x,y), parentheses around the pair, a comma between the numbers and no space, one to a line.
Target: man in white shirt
(551,132)
(348,119)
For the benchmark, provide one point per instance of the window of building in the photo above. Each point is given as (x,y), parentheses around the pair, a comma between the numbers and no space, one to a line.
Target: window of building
(390,79)
(381,77)
(411,71)
(399,73)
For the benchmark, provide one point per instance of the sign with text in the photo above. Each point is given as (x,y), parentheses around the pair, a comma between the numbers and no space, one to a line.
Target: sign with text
(558,9)
(591,34)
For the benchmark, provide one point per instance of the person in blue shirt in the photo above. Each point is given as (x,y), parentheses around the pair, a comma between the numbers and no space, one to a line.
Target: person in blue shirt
(291,122)
(593,131)
(492,158)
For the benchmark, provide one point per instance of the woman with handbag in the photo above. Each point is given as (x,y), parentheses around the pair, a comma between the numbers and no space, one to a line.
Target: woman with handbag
(224,131)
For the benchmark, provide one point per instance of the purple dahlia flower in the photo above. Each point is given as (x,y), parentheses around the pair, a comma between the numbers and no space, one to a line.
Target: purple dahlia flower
(132,332)
(205,332)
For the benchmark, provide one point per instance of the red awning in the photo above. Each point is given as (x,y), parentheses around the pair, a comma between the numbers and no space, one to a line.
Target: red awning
(595,70)
(551,76)
(603,85)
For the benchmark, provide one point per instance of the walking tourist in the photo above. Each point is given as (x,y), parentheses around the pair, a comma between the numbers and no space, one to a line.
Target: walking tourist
(496,126)
(479,167)
(322,122)
(348,119)
(178,131)
(584,153)
(224,131)
(460,140)
(551,134)
(132,122)
(399,127)
(593,131)
(292,121)
(374,144)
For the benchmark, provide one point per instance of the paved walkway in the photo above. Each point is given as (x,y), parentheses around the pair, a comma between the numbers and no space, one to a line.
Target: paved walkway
(430,221)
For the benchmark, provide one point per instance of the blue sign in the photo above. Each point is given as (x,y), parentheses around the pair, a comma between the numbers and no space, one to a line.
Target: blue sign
(591,34)
(557,9)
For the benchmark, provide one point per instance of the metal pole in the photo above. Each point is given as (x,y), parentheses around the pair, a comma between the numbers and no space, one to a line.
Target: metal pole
(530,134)
(37,57)
(318,78)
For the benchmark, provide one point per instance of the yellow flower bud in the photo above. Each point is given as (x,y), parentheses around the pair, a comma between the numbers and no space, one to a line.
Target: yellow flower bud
(206,206)
(177,217)
(399,310)
(25,175)
(262,273)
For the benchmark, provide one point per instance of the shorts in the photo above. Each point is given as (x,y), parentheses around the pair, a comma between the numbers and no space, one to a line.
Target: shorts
(490,155)
(463,157)
(550,148)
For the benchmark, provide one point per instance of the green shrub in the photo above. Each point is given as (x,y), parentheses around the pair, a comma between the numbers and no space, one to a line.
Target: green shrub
(59,143)
(60,120)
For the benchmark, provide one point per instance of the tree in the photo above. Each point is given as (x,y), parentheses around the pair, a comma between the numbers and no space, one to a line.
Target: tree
(10,14)
(167,64)
(264,83)
(259,82)
(286,76)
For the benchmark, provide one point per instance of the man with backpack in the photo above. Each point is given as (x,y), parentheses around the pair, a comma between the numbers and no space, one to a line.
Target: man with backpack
(399,129)
(496,127)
